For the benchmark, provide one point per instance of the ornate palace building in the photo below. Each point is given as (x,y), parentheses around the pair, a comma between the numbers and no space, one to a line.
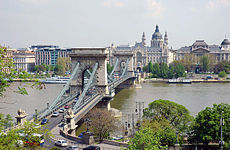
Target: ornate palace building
(200,47)
(157,52)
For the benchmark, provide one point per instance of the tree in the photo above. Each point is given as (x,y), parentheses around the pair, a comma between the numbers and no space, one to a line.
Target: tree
(206,127)
(101,123)
(179,70)
(204,62)
(164,69)
(6,69)
(162,128)
(222,66)
(171,71)
(63,65)
(150,67)
(12,139)
(188,61)
(145,139)
(177,115)
(156,70)
(222,74)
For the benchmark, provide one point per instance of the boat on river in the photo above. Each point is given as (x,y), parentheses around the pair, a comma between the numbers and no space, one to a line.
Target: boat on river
(179,81)
(56,80)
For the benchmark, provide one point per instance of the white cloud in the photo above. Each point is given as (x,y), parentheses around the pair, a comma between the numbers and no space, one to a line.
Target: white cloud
(113,4)
(216,4)
(155,8)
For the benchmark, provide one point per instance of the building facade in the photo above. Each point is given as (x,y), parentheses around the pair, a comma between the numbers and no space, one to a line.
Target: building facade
(7,60)
(48,55)
(157,52)
(24,60)
(200,47)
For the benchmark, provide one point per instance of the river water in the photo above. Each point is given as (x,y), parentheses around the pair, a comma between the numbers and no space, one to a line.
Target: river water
(194,97)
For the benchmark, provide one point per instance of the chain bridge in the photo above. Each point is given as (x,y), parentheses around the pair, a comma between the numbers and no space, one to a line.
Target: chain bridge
(90,83)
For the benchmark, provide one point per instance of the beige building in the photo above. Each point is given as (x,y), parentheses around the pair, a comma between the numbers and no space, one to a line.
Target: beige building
(200,47)
(7,60)
(24,60)
(157,52)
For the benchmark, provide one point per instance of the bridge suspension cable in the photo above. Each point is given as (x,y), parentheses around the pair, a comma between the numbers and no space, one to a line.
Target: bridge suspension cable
(59,100)
(125,69)
(88,85)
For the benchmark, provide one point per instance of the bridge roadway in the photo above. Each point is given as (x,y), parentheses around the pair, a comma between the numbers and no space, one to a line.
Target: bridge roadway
(89,103)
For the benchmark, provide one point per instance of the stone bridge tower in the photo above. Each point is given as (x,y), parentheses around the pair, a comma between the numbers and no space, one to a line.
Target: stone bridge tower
(122,57)
(87,58)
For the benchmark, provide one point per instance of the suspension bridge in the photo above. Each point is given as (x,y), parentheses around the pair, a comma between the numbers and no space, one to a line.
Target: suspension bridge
(90,81)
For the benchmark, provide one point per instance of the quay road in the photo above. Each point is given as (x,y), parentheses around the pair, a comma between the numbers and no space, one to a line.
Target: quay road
(54,129)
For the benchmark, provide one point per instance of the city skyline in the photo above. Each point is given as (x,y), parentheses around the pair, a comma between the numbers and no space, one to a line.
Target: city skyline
(103,22)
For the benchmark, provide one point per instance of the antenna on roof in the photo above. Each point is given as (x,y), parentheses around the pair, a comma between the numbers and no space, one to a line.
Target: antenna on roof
(225,36)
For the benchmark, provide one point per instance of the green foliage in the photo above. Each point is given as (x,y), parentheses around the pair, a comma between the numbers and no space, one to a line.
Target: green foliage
(150,67)
(222,66)
(162,128)
(63,65)
(222,74)
(171,71)
(206,127)
(6,69)
(179,70)
(11,139)
(145,139)
(177,115)
(55,148)
(109,68)
(176,69)
(204,62)
(156,70)
(164,69)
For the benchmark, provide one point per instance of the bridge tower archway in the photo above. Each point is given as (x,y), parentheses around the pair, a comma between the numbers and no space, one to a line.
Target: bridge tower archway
(87,59)
(122,57)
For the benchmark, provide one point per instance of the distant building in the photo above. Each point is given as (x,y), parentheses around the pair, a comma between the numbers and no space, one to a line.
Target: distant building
(158,51)
(200,47)
(24,60)
(6,60)
(48,55)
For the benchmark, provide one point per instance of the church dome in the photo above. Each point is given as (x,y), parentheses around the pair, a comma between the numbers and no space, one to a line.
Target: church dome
(225,42)
(157,34)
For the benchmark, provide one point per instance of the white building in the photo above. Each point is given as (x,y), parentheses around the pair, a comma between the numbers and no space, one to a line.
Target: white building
(24,60)
(158,51)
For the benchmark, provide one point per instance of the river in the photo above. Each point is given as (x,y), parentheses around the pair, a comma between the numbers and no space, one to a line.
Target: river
(194,97)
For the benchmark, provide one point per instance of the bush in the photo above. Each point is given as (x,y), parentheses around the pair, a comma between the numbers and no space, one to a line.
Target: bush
(222,74)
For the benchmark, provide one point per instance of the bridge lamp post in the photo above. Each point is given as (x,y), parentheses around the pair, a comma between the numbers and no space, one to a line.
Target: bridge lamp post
(87,124)
(36,115)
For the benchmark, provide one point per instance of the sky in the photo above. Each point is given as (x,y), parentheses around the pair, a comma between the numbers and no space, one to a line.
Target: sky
(99,23)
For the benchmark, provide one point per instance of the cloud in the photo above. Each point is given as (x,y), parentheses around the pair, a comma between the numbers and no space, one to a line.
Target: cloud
(154,8)
(213,5)
(113,4)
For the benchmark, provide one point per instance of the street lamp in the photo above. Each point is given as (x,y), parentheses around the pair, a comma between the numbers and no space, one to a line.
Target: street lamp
(87,124)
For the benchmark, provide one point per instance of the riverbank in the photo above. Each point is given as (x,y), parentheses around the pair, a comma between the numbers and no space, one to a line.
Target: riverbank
(159,80)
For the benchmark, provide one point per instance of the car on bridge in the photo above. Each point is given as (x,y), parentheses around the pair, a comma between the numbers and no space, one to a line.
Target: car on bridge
(61,110)
(55,114)
(92,148)
(44,121)
(73,148)
(66,106)
(61,143)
